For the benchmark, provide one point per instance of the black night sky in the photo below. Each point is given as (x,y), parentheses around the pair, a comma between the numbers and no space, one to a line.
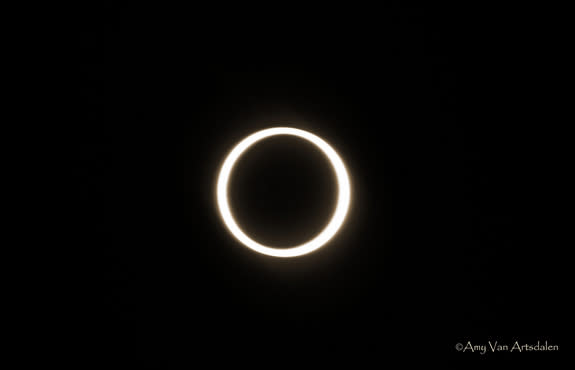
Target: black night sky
(442,243)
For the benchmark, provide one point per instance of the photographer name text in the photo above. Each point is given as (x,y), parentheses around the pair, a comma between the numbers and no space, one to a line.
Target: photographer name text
(496,346)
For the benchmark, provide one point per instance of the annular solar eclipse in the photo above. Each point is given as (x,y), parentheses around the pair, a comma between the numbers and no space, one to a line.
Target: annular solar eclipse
(334,224)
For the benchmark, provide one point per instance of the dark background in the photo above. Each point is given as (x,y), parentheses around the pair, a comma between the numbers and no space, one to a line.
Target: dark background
(445,240)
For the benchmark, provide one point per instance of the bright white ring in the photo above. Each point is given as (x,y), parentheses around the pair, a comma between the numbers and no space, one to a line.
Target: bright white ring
(343,198)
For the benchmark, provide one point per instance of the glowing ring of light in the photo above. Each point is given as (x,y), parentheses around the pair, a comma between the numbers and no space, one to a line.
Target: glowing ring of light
(343,198)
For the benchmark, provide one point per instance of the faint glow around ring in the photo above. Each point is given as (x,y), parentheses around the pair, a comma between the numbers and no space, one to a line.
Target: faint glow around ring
(343,198)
